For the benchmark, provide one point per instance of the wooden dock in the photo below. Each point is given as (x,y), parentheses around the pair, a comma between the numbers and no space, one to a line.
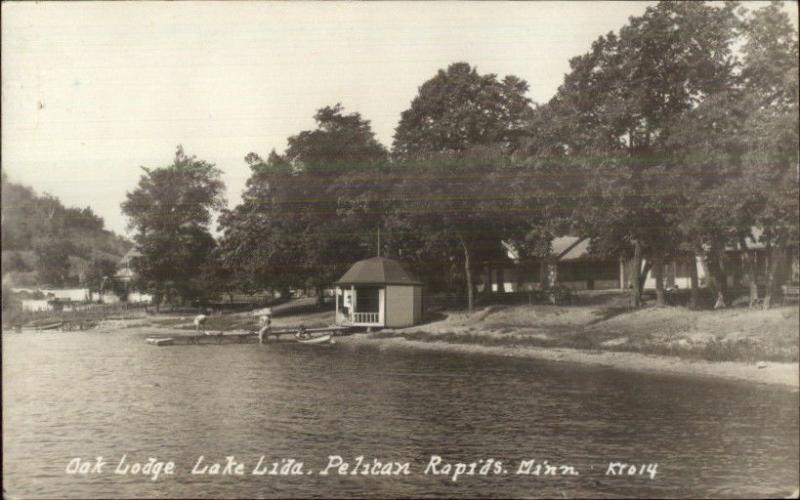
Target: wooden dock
(276,335)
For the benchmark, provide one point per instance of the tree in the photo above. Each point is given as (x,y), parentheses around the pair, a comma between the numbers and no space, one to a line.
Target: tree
(739,150)
(458,109)
(341,142)
(100,277)
(452,147)
(289,231)
(771,134)
(458,208)
(171,209)
(612,115)
(52,264)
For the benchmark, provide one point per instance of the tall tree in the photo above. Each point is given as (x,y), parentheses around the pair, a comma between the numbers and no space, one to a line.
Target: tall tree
(739,151)
(171,209)
(341,142)
(611,117)
(288,231)
(458,208)
(772,133)
(460,108)
(52,260)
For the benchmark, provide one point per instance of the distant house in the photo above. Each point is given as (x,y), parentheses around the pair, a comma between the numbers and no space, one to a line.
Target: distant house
(36,305)
(57,299)
(378,292)
(569,264)
(126,274)
(68,294)
(572,264)
(125,270)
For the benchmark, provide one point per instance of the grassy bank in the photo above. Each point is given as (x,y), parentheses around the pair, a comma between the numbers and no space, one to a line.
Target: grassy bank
(601,323)
(735,334)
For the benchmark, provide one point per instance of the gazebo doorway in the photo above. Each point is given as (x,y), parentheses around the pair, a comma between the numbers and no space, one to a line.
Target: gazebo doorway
(368,308)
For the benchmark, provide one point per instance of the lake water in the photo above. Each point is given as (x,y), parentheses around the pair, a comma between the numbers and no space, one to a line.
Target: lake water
(94,394)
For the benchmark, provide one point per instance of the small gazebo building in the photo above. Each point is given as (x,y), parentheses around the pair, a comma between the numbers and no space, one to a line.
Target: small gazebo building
(378,292)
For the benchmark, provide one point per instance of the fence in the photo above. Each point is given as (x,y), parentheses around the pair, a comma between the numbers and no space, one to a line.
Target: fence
(366,317)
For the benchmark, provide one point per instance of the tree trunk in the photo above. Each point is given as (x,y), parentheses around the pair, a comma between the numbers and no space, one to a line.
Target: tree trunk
(643,275)
(501,280)
(543,281)
(468,274)
(775,263)
(487,283)
(717,279)
(636,269)
(658,267)
(751,270)
(694,282)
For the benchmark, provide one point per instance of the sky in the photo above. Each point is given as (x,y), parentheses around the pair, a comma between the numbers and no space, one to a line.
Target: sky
(91,91)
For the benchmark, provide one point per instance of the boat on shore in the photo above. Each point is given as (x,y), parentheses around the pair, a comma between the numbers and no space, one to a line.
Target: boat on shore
(324,336)
(322,339)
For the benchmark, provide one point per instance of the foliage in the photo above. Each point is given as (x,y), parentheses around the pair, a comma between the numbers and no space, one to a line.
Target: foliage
(658,120)
(676,135)
(171,210)
(14,262)
(52,263)
(41,226)
(460,108)
(288,231)
(101,278)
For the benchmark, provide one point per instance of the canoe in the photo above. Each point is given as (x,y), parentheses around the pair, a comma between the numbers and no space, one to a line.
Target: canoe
(322,339)
(160,341)
(49,326)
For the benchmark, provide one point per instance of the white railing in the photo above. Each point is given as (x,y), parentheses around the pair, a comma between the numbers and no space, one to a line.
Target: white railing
(372,318)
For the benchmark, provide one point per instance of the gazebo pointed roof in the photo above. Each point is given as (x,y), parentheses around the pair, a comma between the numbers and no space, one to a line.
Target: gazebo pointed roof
(378,271)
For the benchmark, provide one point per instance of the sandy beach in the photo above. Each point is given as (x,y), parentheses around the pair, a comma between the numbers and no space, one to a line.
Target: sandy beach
(737,344)
(785,374)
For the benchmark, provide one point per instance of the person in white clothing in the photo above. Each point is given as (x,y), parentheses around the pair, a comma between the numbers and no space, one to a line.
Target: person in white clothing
(265,319)
(200,320)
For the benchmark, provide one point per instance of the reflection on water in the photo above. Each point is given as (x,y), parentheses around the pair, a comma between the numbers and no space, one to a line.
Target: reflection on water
(94,394)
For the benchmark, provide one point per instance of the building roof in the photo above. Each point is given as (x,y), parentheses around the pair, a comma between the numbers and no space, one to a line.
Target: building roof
(572,248)
(378,271)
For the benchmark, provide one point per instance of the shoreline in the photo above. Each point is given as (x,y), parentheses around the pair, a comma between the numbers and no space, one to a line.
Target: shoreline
(551,321)
(775,373)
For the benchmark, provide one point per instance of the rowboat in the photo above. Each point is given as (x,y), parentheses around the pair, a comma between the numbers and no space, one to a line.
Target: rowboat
(49,326)
(322,339)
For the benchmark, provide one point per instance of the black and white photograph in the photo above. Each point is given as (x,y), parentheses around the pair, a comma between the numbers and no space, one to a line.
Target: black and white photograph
(445,249)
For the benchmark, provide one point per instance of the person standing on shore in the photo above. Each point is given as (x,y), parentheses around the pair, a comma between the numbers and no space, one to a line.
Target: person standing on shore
(199,321)
(265,319)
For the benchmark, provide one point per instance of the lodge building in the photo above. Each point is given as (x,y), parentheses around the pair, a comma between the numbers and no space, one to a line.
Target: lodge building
(571,264)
